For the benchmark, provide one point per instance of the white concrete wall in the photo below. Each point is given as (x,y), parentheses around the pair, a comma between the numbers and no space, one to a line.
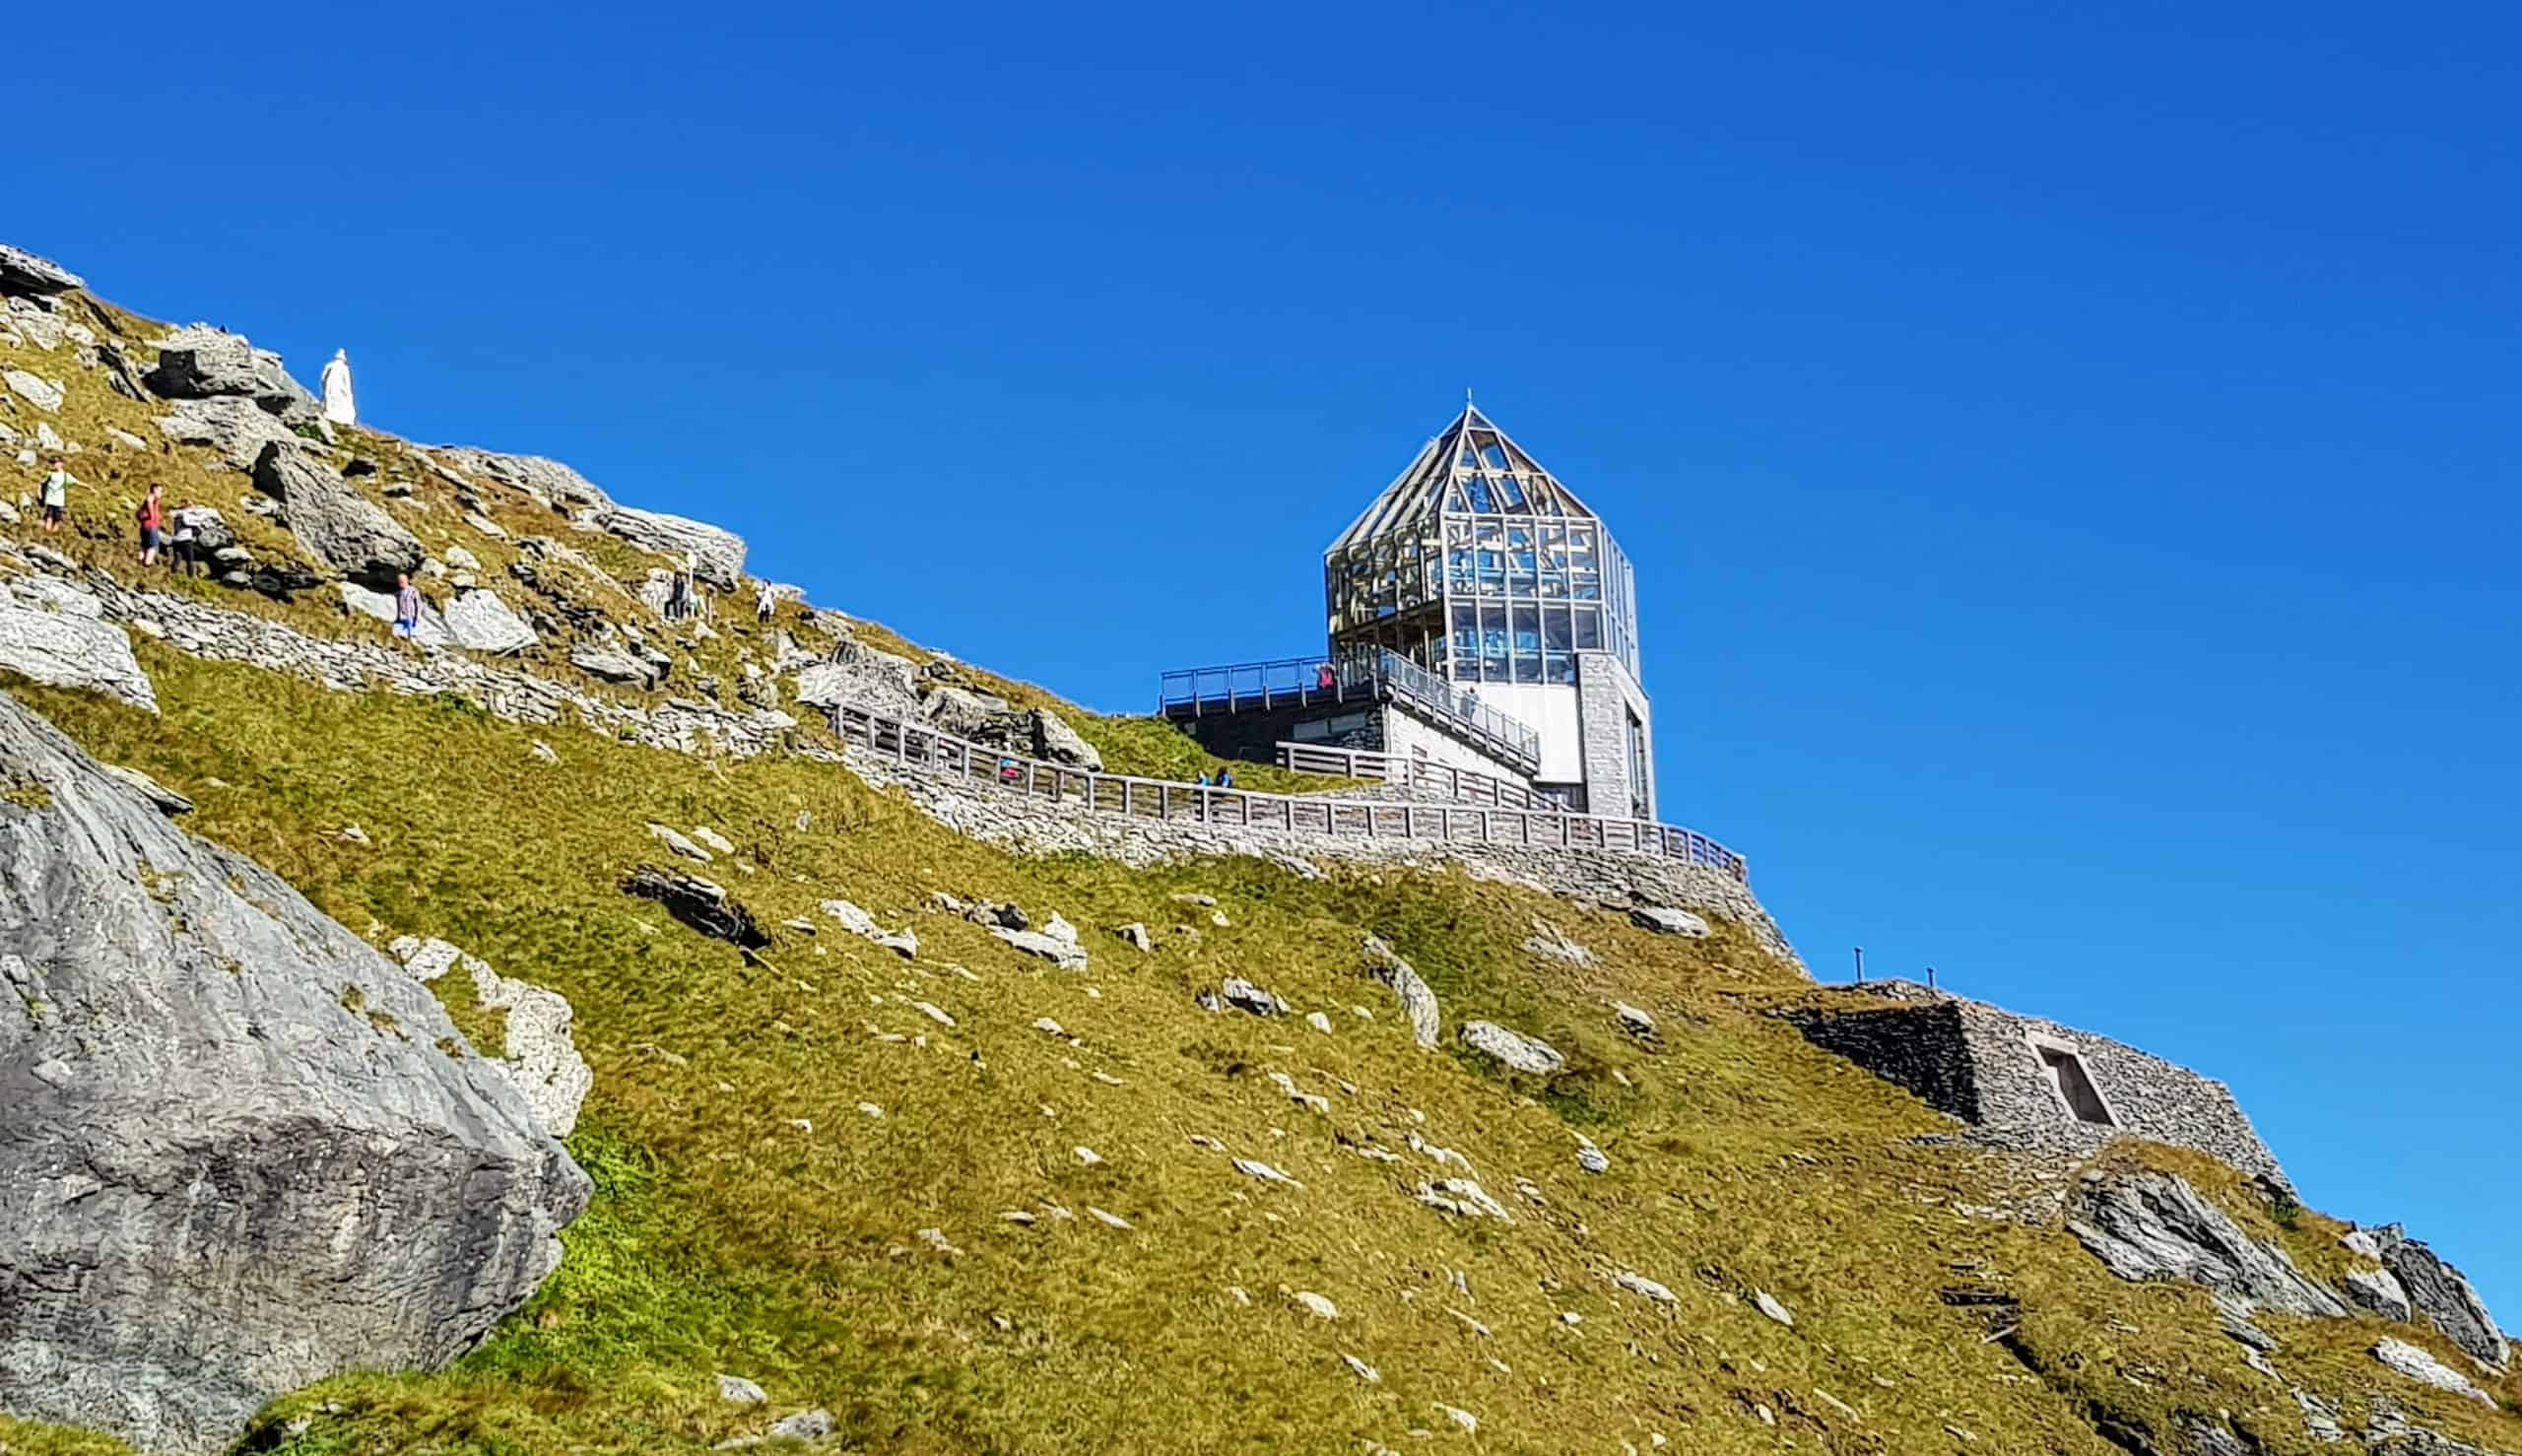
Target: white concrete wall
(1549,709)
(1407,736)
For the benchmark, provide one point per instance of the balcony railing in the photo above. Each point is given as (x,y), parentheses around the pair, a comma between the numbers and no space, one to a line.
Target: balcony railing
(1383,675)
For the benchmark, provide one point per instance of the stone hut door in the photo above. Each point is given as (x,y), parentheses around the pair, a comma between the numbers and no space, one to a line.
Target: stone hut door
(2066,1072)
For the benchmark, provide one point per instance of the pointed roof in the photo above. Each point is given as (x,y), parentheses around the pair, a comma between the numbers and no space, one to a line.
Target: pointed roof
(1471,466)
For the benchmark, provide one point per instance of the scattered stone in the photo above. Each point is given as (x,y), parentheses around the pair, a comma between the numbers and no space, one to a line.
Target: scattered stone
(543,752)
(1667,920)
(1362,1371)
(1417,1003)
(2420,1365)
(1638,1284)
(1549,942)
(613,665)
(477,619)
(1634,1021)
(1590,1157)
(870,1110)
(1513,1049)
(1460,1416)
(1316,1305)
(903,942)
(1253,1167)
(932,1013)
(1065,955)
(1088,1156)
(1242,995)
(353,834)
(1318,1022)
(675,840)
(936,1239)
(1767,1303)
(735,1390)
(806,1426)
(1135,934)
(1465,1197)
(45,394)
(1299,1095)
(1107,1218)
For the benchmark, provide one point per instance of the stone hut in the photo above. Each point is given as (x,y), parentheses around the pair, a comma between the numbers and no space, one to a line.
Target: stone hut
(2033,1084)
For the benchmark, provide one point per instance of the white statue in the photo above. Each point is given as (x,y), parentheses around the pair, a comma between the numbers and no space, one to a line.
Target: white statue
(338,404)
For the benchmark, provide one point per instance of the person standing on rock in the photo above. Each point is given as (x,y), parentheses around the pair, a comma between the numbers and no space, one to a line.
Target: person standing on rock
(152,524)
(185,548)
(407,606)
(56,494)
(763,603)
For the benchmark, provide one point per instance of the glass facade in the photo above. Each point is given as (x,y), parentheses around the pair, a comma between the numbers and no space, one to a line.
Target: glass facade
(1477,563)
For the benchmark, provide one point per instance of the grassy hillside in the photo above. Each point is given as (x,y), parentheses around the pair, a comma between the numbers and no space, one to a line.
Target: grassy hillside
(751,1217)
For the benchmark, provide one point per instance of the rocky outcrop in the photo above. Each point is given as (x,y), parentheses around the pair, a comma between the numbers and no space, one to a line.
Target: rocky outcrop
(2442,1294)
(53,634)
(234,1156)
(1512,1049)
(703,905)
(22,272)
(536,1048)
(477,619)
(236,429)
(2419,1365)
(1668,920)
(1417,1003)
(717,556)
(2147,1224)
(337,525)
(429,631)
(1032,733)
(202,363)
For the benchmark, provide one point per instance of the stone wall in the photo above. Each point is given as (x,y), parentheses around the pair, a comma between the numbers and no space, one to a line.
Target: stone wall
(1408,736)
(1606,695)
(1982,1064)
(1039,826)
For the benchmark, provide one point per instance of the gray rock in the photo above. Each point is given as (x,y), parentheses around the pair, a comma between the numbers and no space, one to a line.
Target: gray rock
(538,1052)
(22,272)
(340,527)
(1768,1304)
(717,556)
(1054,740)
(210,532)
(614,665)
(1551,943)
(45,394)
(2155,1225)
(2379,1291)
(1515,1050)
(249,1166)
(703,905)
(1135,934)
(1242,995)
(735,1390)
(1635,1021)
(1060,953)
(551,483)
(675,840)
(480,621)
(430,632)
(1638,1284)
(1591,1157)
(2443,1295)
(234,429)
(68,648)
(806,1426)
(1417,1003)
(1667,920)
(161,798)
(2419,1365)
(200,362)
(858,922)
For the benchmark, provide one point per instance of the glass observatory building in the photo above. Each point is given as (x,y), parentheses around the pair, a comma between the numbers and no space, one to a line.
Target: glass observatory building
(1494,614)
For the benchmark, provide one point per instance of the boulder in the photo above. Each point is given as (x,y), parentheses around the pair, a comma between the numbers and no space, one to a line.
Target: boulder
(1064,954)
(201,361)
(432,630)
(1551,943)
(1054,740)
(536,1049)
(337,525)
(64,647)
(2147,1224)
(210,532)
(1417,1003)
(982,718)
(22,272)
(614,665)
(2379,1291)
(1513,1049)
(554,486)
(1667,920)
(2441,1293)
(480,621)
(234,1159)
(45,394)
(858,922)
(717,556)
(702,904)
(1242,995)
(233,427)
(2421,1366)
(889,675)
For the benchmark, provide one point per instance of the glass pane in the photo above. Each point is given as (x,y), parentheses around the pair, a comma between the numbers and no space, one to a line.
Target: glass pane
(1492,641)
(1527,642)
(1466,651)
(1589,629)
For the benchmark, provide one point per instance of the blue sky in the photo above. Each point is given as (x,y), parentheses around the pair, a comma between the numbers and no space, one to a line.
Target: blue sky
(2070,459)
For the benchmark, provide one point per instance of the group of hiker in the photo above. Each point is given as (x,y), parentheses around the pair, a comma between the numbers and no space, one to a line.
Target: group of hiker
(180,550)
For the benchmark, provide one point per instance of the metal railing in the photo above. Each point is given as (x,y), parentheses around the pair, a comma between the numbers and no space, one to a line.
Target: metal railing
(918,745)
(1461,785)
(1380,677)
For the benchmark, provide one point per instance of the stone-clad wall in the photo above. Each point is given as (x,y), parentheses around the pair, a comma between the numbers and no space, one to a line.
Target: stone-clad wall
(1979,1063)
(1606,694)
(1035,825)
(1918,1047)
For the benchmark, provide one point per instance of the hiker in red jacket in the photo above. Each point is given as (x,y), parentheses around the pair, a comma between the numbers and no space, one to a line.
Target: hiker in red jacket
(153,526)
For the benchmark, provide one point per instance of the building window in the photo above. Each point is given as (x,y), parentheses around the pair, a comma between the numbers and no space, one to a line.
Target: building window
(1640,802)
(2065,1073)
